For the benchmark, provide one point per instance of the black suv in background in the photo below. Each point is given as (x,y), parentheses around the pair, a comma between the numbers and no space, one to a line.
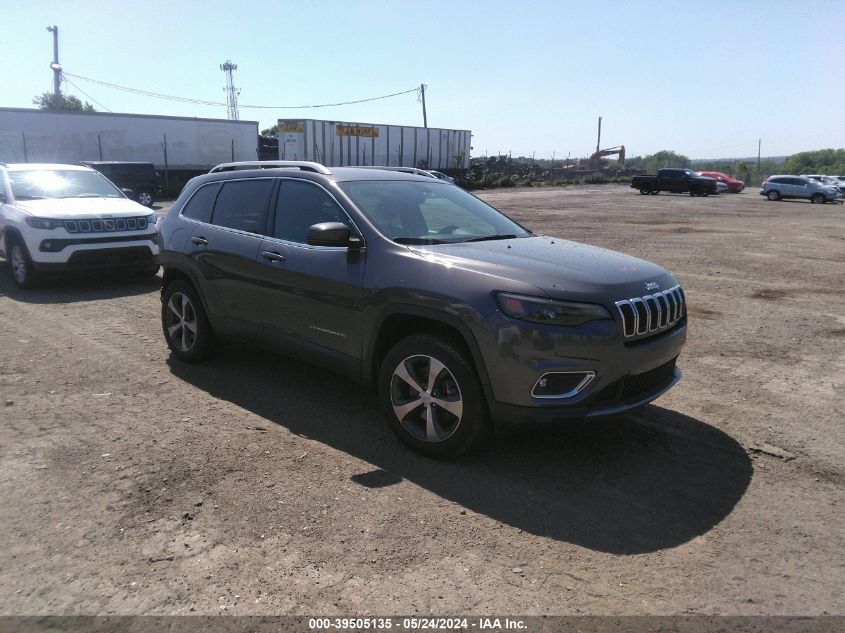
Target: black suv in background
(141,178)
(456,314)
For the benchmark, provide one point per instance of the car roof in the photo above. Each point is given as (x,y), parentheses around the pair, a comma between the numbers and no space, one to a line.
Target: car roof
(337,174)
(116,162)
(45,167)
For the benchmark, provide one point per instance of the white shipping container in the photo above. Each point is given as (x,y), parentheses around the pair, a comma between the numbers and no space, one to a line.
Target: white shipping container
(61,136)
(339,143)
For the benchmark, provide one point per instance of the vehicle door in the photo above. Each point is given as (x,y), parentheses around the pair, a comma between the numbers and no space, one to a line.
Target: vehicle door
(799,188)
(674,180)
(224,249)
(311,296)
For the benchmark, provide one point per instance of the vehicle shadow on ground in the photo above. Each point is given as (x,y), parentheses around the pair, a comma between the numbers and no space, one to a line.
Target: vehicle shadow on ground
(627,485)
(76,287)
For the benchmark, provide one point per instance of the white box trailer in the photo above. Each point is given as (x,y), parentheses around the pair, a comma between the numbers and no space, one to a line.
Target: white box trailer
(63,136)
(340,143)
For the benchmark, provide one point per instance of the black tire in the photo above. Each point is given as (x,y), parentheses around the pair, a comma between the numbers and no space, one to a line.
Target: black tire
(818,198)
(20,264)
(456,385)
(181,306)
(773,195)
(145,197)
(692,193)
(644,191)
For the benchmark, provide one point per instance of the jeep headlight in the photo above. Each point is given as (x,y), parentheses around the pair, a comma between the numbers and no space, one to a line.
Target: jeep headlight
(549,311)
(44,223)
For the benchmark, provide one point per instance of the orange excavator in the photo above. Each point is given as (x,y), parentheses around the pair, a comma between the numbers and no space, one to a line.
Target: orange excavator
(610,151)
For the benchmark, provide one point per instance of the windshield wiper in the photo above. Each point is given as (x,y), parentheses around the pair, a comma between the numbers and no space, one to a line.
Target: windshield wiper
(418,240)
(30,198)
(485,238)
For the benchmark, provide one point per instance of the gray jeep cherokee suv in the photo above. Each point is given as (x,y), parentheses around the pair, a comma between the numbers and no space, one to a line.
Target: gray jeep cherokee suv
(456,314)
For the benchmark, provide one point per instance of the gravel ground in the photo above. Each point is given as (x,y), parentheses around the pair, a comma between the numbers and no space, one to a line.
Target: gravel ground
(131,483)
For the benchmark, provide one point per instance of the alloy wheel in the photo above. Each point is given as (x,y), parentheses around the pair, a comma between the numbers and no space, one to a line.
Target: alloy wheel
(426,398)
(181,321)
(19,266)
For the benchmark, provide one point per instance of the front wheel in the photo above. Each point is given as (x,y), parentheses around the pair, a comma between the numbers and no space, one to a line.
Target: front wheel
(818,198)
(20,263)
(432,397)
(773,195)
(145,198)
(186,328)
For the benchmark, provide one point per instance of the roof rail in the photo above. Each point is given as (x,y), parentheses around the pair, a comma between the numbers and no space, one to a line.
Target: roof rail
(405,170)
(304,165)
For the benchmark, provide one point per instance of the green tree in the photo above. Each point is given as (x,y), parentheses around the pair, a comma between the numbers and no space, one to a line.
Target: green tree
(822,161)
(51,101)
(658,160)
(665,158)
(270,131)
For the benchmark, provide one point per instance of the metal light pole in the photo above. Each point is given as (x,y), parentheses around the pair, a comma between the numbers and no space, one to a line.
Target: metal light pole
(423,86)
(56,66)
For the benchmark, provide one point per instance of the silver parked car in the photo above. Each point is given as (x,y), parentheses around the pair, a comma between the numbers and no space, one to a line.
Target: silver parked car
(782,187)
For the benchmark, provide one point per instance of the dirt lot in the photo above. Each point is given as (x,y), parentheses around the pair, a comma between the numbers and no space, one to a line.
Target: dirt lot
(131,483)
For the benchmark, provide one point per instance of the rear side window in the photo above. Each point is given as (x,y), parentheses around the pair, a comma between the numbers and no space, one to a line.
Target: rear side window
(200,205)
(242,205)
(300,205)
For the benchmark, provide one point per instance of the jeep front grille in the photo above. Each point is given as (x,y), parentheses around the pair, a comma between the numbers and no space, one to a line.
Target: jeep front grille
(105,225)
(652,313)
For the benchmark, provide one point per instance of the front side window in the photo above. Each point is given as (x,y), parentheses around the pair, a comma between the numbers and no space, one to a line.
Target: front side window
(429,213)
(301,205)
(35,184)
(242,205)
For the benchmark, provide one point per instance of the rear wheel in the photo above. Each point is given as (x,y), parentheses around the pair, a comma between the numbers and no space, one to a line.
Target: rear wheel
(186,328)
(20,264)
(773,195)
(818,198)
(432,397)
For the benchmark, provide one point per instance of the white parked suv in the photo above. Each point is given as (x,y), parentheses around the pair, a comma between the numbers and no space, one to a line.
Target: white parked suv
(69,217)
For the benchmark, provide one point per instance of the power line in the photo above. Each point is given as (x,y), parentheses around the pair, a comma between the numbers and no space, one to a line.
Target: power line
(159,95)
(85,93)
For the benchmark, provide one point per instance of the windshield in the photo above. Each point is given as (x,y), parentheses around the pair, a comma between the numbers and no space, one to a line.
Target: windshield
(429,213)
(36,184)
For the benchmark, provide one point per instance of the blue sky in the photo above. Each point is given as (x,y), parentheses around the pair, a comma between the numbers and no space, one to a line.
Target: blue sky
(705,79)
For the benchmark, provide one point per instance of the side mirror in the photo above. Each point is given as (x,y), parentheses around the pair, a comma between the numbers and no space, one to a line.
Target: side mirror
(329,234)
(128,192)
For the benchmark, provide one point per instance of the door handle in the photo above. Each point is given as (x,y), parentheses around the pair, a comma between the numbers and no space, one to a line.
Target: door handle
(199,241)
(273,256)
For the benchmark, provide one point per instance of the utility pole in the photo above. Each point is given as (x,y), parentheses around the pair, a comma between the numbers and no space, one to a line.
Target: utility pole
(759,144)
(56,66)
(423,86)
(598,141)
(231,92)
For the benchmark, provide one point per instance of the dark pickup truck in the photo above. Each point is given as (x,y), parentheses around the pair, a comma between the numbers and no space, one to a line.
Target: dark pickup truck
(675,181)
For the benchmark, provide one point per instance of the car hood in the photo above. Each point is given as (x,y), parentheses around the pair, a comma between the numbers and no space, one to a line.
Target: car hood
(63,208)
(561,268)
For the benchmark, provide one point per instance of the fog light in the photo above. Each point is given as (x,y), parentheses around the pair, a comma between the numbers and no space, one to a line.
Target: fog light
(562,384)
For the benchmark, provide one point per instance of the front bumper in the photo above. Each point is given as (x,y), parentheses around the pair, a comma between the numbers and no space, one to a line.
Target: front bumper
(58,250)
(627,373)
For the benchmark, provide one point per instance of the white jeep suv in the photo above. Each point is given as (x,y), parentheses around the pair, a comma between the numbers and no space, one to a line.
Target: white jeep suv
(69,217)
